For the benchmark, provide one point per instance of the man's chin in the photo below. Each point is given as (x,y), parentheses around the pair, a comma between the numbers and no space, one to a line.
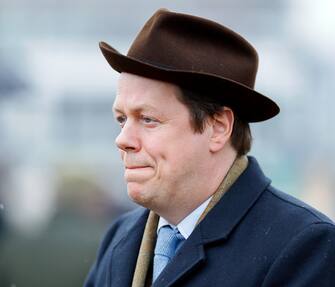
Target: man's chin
(138,194)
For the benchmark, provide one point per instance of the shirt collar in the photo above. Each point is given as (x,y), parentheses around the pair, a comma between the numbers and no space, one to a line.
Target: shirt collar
(187,225)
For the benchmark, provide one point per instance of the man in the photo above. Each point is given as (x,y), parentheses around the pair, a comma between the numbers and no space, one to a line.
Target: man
(184,101)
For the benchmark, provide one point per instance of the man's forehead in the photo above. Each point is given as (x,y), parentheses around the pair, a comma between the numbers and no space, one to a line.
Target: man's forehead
(140,93)
(129,83)
(135,100)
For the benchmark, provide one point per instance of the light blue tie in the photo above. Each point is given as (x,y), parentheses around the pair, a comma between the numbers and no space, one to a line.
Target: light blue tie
(168,242)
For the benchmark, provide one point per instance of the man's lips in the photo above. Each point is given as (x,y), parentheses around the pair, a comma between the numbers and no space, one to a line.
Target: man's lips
(137,166)
(137,173)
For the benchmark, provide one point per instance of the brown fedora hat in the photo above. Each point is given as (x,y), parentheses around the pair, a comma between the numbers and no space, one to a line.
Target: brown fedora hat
(197,54)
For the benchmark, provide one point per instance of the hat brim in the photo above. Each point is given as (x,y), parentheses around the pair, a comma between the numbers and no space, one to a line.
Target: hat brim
(248,104)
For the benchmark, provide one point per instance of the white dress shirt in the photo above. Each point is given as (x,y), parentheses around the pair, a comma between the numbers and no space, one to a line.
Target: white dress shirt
(187,225)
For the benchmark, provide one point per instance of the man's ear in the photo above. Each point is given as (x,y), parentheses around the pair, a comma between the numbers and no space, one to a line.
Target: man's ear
(222,128)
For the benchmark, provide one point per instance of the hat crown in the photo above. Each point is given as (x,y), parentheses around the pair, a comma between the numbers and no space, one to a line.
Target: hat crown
(189,43)
(200,55)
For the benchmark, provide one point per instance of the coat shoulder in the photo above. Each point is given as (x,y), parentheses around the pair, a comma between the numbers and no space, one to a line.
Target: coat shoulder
(276,218)
(307,252)
(294,208)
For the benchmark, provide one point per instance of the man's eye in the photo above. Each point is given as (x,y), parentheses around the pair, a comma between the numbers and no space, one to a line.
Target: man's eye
(148,120)
(121,120)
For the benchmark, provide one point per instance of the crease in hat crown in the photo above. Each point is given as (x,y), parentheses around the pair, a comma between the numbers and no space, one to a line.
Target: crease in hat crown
(175,47)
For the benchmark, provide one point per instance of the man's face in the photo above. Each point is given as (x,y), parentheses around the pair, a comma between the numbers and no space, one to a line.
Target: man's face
(160,151)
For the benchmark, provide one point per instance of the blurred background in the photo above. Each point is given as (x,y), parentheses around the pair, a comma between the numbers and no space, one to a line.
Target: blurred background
(61,180)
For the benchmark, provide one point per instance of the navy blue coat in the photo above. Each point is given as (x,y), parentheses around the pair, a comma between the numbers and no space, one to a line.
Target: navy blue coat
(255,236)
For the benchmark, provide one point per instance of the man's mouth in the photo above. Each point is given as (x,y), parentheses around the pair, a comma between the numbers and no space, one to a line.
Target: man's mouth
(137,173)
(137,166)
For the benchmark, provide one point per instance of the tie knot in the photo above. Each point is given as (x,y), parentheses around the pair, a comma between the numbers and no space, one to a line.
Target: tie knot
(168,241)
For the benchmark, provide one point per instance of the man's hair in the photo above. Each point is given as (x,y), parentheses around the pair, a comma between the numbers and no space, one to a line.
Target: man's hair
(201,110)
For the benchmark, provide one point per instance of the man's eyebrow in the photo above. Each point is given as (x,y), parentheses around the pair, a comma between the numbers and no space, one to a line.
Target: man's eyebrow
(117,110)
(136,110)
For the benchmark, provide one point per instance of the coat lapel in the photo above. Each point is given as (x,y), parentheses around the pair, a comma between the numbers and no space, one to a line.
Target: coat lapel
(217,225)
(124,254)
(234,205)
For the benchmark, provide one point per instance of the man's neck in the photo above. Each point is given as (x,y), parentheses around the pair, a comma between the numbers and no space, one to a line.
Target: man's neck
(202,189)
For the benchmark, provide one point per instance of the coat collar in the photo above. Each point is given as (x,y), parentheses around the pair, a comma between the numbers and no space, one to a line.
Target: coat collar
(227,214)
(235,203)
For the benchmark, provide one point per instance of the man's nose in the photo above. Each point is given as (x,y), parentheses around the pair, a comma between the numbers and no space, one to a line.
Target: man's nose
(128,140)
